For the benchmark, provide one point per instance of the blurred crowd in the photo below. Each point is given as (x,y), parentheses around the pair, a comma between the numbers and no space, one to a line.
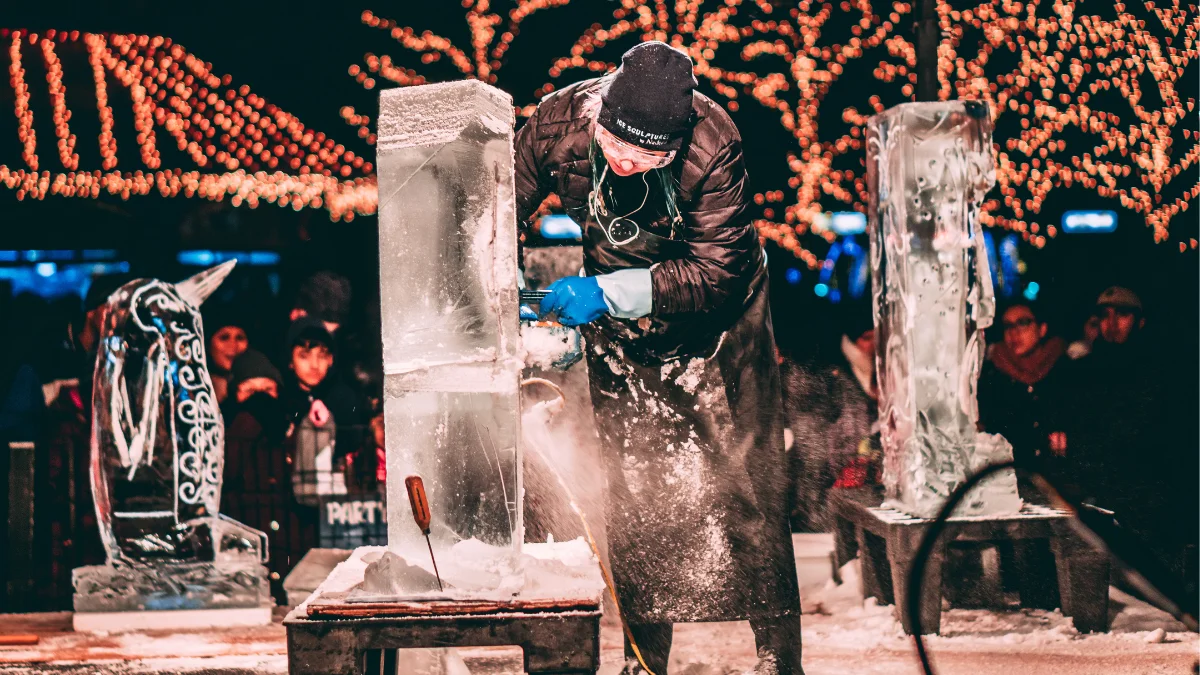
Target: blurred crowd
(1106,413)
(1108,419)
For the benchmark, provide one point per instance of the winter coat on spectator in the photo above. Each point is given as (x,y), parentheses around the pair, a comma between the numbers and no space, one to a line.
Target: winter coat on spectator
(348,409)
(1020,398)
(1131,439)
(258,484)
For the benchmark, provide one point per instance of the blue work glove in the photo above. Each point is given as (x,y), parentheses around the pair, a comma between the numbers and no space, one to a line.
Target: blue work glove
(527,313)
(576,301)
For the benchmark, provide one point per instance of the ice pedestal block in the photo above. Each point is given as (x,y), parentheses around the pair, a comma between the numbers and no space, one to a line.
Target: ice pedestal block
(928,168)
(171,586)
(448,285)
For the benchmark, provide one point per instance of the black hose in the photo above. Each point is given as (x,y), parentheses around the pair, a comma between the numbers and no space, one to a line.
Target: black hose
(1144,573)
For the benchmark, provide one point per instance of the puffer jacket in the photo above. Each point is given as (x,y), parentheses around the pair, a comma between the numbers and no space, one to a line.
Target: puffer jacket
(723,251)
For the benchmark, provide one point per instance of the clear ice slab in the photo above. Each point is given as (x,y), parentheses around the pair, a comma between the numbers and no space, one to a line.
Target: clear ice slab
(448,285)
(928,168)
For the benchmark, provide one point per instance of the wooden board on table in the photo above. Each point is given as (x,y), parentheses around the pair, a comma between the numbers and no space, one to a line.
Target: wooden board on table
(334,605)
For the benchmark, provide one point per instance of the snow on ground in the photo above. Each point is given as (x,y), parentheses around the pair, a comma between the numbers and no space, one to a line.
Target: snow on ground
(842,636)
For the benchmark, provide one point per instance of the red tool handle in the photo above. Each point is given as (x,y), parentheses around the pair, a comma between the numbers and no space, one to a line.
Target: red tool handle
(419,502)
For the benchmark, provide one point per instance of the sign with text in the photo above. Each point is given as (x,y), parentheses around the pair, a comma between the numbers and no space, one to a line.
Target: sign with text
(350,521)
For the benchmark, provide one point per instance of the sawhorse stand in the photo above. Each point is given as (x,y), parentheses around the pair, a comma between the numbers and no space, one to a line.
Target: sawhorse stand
(885,541)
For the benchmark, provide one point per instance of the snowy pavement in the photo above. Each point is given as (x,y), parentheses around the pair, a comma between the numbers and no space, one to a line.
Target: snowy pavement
(842,636)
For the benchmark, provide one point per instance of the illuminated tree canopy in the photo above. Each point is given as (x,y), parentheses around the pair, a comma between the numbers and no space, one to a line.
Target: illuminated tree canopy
(1088,97)
(1093,103)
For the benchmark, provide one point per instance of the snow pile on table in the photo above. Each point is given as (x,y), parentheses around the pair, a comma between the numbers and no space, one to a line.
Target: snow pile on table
(473,570)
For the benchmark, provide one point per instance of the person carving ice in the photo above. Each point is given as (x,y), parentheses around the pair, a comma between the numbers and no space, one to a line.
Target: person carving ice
(673,303)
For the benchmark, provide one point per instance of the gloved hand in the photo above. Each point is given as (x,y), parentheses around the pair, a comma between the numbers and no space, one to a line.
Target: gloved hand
(527,313)
(576,301)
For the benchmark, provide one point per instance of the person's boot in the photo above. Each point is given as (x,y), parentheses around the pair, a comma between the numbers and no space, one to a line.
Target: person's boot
(778,643)
(654,643)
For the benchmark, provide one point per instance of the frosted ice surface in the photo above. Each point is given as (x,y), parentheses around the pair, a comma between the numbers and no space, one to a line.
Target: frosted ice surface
(157,455)
(448,270)
(928,167)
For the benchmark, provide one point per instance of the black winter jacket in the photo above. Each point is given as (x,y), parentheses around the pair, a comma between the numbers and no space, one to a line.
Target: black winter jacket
(724,253)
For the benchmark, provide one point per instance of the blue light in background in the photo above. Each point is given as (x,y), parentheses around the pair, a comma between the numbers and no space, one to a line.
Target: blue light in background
(989,245)
(9,256)
(1031,291)
(195,257)
(1089,221)
(835,296)
(859,276)
(263,258)
(53,280)
(557,226)
(792,275)
(821,290)
(204,258)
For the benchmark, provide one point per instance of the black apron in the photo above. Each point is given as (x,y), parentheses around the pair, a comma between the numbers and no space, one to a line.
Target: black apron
(688,409)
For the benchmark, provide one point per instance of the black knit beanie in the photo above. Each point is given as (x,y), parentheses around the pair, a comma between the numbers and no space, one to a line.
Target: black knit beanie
(325,296)
(251,364)
(649,101)
(308,329)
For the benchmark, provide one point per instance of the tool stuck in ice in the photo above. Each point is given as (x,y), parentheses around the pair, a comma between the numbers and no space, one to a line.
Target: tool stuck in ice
(420,509)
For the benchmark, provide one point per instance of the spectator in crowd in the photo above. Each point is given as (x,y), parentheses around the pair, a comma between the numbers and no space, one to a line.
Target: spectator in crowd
(366,468)
(254,379)
(226,341)
(324,296)
(313,388)
(257,486)
(1081,347)
(1020,388)
(1127,437)
(832,412)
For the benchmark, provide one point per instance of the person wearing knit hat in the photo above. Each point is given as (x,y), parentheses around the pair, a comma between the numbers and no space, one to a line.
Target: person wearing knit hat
(673,301)
(324,296)
(253,372)
(227,340)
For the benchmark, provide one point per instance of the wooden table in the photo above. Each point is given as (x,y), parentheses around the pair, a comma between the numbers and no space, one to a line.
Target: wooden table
(885,541)
(329,634)
(357,639)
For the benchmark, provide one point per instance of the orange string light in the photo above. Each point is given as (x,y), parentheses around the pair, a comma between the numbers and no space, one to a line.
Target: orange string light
(16,78)
(236,136)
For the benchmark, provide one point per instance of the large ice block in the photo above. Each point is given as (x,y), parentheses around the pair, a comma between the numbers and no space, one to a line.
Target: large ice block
(448,281)
(928,168)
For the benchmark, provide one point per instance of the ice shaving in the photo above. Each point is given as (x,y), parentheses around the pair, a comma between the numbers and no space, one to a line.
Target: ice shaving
(473,570)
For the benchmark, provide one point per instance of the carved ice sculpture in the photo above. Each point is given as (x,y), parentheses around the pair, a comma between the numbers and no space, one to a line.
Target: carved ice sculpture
(448,282)
(928,167)
(157,456)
